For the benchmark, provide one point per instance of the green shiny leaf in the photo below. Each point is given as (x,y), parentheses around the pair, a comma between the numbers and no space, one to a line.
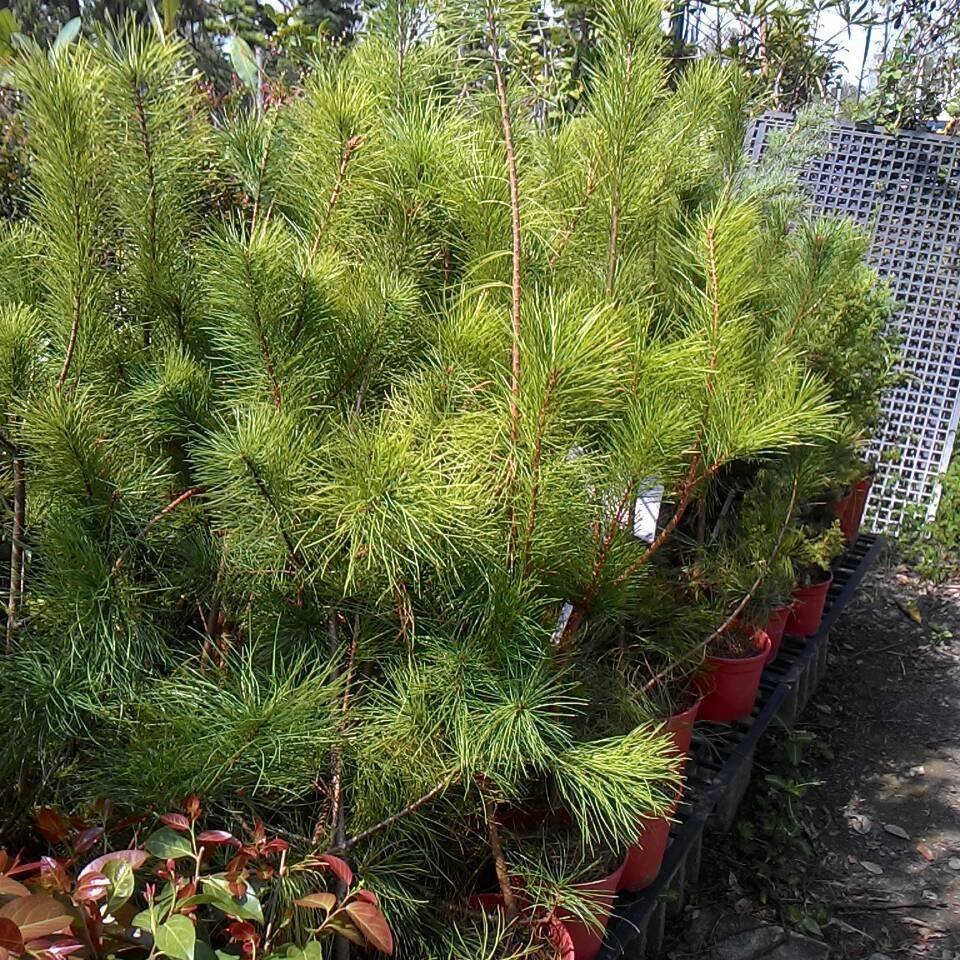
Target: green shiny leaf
(177,938)
(167,844)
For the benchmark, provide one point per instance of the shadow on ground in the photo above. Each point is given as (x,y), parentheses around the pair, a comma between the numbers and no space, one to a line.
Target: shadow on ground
(858,845)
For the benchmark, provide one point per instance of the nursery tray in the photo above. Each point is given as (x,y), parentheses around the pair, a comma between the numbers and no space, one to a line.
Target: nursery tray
(720,764)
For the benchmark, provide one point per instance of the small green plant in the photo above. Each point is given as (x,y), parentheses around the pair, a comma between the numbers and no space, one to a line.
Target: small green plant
(771,833)
(934,545)
(184,893)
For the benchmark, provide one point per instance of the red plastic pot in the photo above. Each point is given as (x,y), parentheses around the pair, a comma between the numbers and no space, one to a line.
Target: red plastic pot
(645,857)
(775,628)
(732,684)
(850,509)
(806,610)
(588,938)
(559,938)
(680,725)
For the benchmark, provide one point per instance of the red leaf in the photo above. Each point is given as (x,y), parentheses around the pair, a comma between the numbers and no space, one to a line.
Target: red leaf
(87,839)
(192,806)
(130,821)
(337,866)
(318,901)
(243,931)
(214,837)
(372,924)
(176,821)
(51,825)
(275,846)
(11,888)
(368,896)
(238,888)
(92,886)
(136,859)
(237,863)
(63,948)
(54,947)
(37,915)
(10,937)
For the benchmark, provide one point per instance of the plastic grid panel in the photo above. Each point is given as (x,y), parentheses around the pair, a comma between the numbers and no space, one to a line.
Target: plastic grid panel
(905,189)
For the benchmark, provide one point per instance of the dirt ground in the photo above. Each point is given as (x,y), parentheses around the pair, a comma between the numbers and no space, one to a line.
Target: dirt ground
(850,833)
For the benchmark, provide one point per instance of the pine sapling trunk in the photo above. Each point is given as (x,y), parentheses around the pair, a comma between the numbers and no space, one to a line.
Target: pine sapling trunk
(500,861)
(516,287)
(16,548)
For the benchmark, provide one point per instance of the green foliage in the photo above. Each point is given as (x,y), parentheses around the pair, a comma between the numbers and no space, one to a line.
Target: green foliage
(216,887)
(333,415)
(934,545)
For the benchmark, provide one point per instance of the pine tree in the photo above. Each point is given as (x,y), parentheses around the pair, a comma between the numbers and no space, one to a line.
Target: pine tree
(329,423)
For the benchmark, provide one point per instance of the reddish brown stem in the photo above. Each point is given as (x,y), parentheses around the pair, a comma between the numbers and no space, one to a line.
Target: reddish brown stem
(500,862)
(351,146)
(156,518)
(685,494)
(399,815)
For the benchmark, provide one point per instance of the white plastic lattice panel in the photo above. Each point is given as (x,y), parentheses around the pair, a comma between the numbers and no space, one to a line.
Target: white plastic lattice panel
(905,190)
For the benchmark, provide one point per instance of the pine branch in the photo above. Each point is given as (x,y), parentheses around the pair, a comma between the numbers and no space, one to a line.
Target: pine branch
(714,300)
(592,184)
(153,521)
(262,172)
(535,469)
(516,261)
(75,319)
(261,336)
(685,493)
(151,181)
(615,201)
(265,493)
(399,815)
(351,146)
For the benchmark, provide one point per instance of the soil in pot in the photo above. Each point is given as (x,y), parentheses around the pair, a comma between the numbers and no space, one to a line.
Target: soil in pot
(806,609)
(734,664)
